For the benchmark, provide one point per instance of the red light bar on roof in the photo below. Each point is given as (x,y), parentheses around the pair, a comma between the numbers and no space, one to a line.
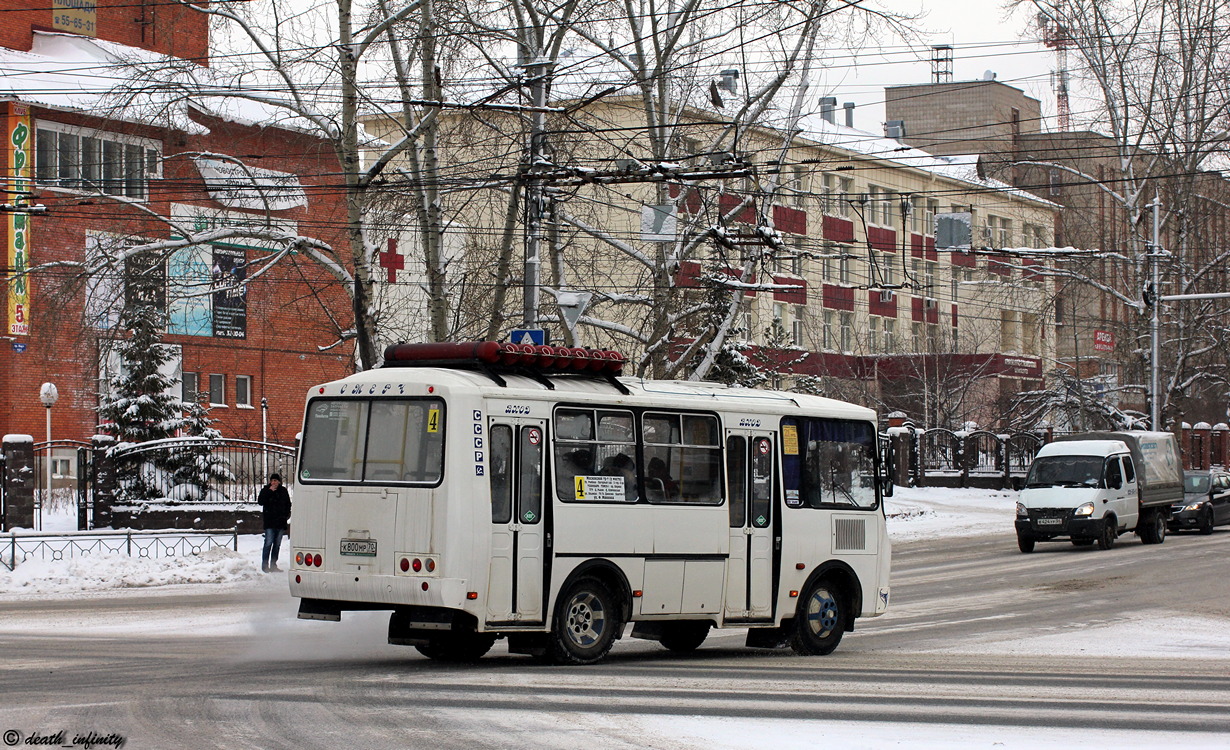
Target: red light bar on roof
(547,359)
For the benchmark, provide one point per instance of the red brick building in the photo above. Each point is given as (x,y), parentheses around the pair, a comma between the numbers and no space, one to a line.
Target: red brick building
(83,178)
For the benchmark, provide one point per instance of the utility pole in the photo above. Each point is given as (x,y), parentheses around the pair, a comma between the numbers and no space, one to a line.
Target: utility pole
(535,193)
(1155,326)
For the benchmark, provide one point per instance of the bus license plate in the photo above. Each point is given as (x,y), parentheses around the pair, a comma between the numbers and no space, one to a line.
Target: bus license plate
(1041,522)
(360,547)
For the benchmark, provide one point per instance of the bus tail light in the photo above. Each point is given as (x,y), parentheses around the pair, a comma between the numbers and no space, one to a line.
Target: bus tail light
(316,560)
(431,565)
(794,594)
(417,565)
(299,558)
(471,595)
(404,565)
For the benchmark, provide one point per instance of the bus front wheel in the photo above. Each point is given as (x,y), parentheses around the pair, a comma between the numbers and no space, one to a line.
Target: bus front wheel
(586,623)
(820,620)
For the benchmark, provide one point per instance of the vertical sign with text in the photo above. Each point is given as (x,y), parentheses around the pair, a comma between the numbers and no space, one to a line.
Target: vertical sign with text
(17,139)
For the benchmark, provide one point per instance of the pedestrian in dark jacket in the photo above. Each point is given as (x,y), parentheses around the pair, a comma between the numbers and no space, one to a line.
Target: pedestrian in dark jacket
(275,501)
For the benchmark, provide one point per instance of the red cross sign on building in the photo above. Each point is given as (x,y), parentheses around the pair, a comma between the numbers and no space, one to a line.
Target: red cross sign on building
(392,261)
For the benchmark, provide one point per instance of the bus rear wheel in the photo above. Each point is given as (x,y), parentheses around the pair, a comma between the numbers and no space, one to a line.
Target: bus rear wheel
(586,623)
(458,648)
(683,637)
(820,620)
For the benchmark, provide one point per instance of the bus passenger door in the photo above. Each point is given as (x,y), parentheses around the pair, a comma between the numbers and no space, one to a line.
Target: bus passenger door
(749,574)
(516,450)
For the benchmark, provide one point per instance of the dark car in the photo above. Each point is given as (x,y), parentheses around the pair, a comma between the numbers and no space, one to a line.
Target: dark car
(1206,502)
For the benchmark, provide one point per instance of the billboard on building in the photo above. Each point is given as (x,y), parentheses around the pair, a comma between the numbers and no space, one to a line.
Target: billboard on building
(230,294)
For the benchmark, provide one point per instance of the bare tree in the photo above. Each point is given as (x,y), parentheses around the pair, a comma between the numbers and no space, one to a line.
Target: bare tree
(1156,73)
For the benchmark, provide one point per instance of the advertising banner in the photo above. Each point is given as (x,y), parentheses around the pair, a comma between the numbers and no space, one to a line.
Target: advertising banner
(230,294)
(190,298)
(17,139)
(75,16)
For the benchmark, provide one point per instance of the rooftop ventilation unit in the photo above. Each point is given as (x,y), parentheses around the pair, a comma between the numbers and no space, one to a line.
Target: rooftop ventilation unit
(849,107)
(895,129)
(828,108)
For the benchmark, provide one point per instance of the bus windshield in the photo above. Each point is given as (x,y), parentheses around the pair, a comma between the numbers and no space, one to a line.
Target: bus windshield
(829,463)
(384,441)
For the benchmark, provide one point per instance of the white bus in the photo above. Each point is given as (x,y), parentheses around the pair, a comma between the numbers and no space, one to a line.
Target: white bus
(483,491)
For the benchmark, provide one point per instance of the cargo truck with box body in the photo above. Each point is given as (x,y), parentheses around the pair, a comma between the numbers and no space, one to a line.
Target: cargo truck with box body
(1090,487)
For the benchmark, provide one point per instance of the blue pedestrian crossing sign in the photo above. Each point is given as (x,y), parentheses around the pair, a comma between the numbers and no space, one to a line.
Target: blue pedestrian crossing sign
(537,336)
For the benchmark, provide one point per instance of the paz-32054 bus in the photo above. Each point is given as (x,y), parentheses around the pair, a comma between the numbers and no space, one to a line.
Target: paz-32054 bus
(484,491)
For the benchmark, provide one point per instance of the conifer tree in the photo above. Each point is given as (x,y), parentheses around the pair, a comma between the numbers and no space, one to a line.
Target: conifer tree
(141,405)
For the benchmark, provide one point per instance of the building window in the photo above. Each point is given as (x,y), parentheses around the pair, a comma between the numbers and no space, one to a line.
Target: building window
(217,390)
(916,334)
(873,334)
(798,260)
(93,161)
(745,325)
(61,467)
(845,274)
(847,331)
(843,199)
(890,335)
(243,390)
(829,341)
(190,387)
(828,199)
(887,271)
(796,326)
(802,186)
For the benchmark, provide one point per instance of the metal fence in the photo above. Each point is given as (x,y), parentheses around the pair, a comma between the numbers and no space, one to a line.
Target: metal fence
(19,547)
(233,471)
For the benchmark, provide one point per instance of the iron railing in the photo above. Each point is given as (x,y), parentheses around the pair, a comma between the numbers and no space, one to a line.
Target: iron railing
(18,547)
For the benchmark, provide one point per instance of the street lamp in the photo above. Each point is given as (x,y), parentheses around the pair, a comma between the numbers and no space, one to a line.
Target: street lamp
(48,395)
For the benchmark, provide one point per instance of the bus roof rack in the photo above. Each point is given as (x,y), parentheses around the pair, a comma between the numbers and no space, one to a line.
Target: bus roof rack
(495,359)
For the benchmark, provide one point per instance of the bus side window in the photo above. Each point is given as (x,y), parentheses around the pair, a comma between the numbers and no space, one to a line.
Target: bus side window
(501,481)
(762,481)
(529,474)
(736,479)
(684,456)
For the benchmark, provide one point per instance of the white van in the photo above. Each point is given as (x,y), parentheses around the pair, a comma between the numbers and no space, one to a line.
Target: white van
(1091,487)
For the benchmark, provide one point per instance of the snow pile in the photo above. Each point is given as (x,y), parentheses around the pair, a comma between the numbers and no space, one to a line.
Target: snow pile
(218,565)
(932,512)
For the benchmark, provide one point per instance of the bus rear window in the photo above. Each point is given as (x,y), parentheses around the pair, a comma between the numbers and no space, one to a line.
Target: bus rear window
(373,441)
